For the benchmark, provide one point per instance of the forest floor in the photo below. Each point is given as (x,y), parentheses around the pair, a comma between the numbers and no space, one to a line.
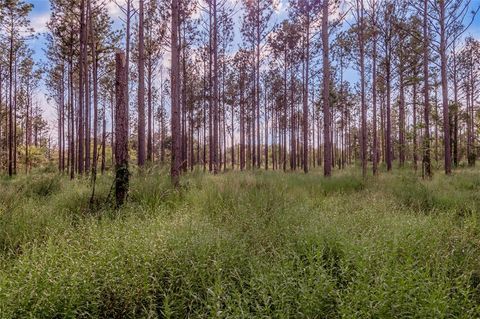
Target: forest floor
(242,245)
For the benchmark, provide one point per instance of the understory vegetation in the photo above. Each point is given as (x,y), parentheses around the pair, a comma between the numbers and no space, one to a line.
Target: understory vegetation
(242,245)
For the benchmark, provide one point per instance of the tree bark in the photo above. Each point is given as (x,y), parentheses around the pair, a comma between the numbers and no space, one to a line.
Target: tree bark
(81,92)
(327,162)
(362,85)
(150,106)
(95,92)
(121,130)
(175,97)
(445,106)
(426,162)
(10,112)
(141,88)
(306,91)
(374,92)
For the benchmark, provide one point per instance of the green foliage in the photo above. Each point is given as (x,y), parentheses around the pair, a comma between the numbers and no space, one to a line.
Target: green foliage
(458,194)
(241,245)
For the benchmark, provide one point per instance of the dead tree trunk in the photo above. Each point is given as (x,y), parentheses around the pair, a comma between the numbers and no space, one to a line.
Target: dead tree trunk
(121,130)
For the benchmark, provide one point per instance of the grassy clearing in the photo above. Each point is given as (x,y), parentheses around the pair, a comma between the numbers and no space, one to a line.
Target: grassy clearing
(242,245)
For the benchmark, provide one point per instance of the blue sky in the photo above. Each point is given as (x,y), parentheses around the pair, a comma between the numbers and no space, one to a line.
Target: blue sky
(38,18)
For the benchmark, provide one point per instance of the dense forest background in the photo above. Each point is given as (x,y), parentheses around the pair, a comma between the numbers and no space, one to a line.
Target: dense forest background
(242,85)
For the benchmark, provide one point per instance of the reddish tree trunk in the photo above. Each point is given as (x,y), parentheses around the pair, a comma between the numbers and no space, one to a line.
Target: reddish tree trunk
(175,97)
(445,106)
(141,89)
(426,163)
(327,164)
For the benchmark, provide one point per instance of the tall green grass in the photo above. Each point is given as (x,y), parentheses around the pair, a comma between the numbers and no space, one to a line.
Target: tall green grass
(242,245)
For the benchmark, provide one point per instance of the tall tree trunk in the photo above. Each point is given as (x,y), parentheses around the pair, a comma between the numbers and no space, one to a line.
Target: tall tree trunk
(150,106)
(257,79)
(112,116)
(242,120)
(232,136)
(183,98)
(266,131)
(362,85)
(81,91)
(128,13)
(10,112)
(327,164)
(401,120)
(210,89)
(445,106)
(456,110)
(141,88)
(415,152)
(121,130)
(388,132)
(95,92)
(306,91)
(71,146)
(215,88)
(88,120)
(175,97)
(104,138)
(15,105)
(471,118)
(437,120)
(293,147)
(426,162)
(374,91)
(204,151)
(27,123)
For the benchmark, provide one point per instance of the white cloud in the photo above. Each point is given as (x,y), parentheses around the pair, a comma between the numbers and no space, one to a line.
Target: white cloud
(279,6)
(39,22)
(113,9)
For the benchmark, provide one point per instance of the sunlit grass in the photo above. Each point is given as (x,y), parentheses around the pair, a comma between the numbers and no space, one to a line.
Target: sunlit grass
(242,245)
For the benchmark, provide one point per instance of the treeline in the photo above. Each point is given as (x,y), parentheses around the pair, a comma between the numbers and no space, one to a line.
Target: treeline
(220,85)
(24,134)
